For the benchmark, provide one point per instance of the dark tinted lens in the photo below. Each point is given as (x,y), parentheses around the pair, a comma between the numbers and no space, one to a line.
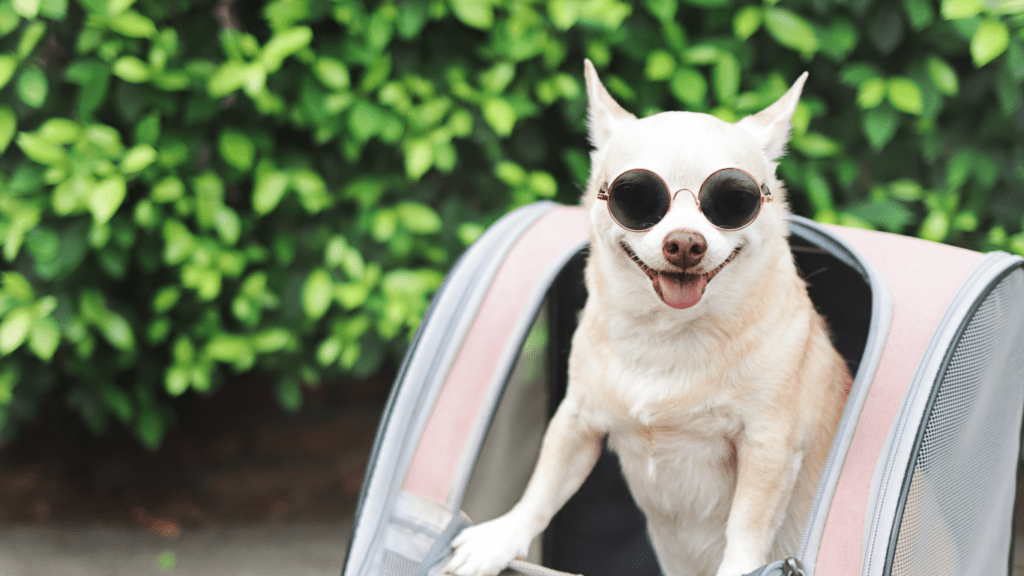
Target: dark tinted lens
(730,199)
(638,199)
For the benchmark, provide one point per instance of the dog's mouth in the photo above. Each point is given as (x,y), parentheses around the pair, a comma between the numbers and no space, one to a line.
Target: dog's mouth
(679,289)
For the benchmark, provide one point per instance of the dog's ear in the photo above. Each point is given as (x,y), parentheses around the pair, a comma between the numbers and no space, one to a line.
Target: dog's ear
(770,127)
(605,114)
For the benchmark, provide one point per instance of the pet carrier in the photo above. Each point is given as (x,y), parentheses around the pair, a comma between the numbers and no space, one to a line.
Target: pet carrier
(920,479)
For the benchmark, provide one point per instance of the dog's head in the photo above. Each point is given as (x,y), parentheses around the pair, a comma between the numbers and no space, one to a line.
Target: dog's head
(683,252)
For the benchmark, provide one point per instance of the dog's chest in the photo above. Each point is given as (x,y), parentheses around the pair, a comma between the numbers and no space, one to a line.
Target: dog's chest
(679,463)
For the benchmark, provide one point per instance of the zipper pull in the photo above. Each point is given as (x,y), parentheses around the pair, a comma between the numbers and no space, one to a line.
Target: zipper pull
(792,567)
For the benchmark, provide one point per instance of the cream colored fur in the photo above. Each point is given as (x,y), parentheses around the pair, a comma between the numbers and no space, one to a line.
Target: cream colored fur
(722,413)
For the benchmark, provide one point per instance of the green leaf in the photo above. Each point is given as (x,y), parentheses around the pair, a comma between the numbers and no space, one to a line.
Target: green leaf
(989,41)
(39,149)
(228,225)
(377,73)
(500,115)
(282,45)
(543,184)
(230,76)
(232,349)
(943,76)
(879,125)
(935,226)
(165,299)
(8,64)
(33,87)
(237,149)
(418,218)
(30,38)
(14,329)
(317,293)
(411,19)
(170,189)
(289,394)
(904,95)
(27,9)
(956,9)
(131,69)
(271,340)
(663,10)
(905,190)
(118,332)
(271,184)
(60,130)
(725,78)
(790,30)
(332,73)
(44,338)
(8,126)
(660,65)
(118,402)
(747,21)
(328,351)
(689,86)
(563,13)
(814,145)
(920,13)
(106,197)
(419,156)
(54,9)
(510,173)
(137,159)
(838,39)
(133,25)
(179,243)
(870,93)
(149,428)
(18,287)
(473,13)
(496,78)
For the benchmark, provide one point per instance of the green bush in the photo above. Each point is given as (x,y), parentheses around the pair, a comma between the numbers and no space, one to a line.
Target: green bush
(192,190)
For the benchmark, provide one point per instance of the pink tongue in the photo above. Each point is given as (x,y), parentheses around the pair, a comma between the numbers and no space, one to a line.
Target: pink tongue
(680,291)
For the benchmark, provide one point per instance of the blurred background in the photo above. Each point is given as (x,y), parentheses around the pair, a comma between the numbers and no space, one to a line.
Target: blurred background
(222,221)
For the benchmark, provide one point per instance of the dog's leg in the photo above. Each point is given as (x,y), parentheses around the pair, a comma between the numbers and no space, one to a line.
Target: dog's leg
(767,469)
(567,455)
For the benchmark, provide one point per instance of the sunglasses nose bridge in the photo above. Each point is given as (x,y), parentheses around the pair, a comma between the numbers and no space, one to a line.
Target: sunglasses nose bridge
(676,193)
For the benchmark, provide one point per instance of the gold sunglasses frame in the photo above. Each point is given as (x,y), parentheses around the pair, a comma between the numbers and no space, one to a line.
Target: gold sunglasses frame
(766,196)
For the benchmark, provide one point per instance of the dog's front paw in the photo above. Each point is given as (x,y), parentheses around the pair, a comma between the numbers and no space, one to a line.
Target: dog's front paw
(487,549)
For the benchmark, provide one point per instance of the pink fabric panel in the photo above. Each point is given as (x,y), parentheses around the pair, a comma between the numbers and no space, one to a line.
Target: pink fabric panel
(923,278)
(458,405)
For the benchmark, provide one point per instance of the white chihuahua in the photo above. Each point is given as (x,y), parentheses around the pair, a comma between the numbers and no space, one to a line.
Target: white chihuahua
(698,354)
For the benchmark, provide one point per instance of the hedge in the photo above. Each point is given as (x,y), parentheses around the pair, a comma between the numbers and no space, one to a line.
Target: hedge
(197,191)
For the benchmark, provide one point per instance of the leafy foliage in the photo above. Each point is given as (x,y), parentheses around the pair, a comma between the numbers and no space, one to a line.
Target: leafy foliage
(192,189)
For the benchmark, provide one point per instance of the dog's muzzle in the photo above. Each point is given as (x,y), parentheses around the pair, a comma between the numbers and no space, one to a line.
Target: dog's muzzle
(679,289)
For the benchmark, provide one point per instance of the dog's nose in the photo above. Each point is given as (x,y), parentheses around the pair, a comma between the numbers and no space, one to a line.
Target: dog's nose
(684,248)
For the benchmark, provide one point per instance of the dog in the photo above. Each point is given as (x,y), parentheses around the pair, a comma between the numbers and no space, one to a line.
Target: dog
(699,355)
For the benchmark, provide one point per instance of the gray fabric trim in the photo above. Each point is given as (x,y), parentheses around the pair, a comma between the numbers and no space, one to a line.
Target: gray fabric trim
(887,485)
(451,313)
(523,568)
(497,386)
(442,548)
(878,333)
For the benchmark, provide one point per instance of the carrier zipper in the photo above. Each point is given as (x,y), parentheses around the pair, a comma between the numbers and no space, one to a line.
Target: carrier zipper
(791,566)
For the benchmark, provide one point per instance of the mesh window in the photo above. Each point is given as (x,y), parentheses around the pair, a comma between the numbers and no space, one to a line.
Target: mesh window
(958,510)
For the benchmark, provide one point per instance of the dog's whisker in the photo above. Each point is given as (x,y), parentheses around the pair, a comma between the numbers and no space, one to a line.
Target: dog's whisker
(815,273)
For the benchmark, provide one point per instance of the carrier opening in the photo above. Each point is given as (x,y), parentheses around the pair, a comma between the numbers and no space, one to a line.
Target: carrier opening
(600,531)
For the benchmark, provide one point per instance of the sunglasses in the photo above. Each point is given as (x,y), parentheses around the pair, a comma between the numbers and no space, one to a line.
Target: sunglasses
(730,199)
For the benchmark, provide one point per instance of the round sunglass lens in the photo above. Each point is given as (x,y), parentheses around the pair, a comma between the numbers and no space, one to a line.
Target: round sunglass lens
(638,200)
(730,199)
